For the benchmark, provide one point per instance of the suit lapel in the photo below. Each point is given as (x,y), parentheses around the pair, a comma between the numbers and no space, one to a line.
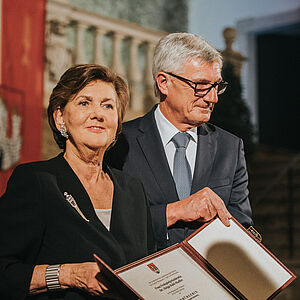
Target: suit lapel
(70,183)
(151,145)
(206,150)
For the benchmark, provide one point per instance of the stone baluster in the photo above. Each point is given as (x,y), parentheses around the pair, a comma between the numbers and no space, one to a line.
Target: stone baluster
(79,48)
(135,76)
(149,90)
(99,46)
(117,64)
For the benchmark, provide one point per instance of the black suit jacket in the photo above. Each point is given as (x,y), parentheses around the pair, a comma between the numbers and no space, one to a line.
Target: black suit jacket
(220,165)
(38,225)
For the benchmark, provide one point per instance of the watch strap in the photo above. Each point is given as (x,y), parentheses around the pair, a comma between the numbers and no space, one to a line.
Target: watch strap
(52,277)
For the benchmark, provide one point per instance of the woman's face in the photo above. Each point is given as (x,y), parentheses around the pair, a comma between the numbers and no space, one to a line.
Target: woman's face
(91,117)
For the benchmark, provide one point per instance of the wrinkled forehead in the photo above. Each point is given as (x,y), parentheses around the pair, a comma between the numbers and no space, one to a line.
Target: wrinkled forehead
(199,69)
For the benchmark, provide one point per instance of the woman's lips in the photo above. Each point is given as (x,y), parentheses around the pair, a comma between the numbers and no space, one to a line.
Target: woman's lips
(96,128)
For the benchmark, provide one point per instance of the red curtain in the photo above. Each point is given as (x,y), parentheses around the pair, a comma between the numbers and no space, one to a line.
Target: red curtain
(21,85)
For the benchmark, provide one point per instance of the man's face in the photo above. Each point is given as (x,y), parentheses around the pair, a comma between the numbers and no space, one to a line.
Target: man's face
(181,107)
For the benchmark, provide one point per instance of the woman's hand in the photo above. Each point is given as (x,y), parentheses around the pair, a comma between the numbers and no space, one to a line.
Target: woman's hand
(85,276)
(82,276)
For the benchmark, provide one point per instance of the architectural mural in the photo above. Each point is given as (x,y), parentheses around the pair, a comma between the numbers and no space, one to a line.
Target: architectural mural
(10,136)
(166,15)
(21,83)
(75,35)
(84,32)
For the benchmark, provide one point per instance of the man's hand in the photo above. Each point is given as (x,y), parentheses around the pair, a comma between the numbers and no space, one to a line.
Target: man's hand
(202,206)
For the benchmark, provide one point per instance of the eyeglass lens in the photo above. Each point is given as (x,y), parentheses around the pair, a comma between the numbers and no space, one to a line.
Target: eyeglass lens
(203,89)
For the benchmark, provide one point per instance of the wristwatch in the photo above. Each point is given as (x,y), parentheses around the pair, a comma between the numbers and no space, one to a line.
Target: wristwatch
(52,278)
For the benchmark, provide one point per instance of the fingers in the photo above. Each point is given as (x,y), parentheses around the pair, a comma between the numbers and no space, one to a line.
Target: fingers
(208,204)
(224,217)
(103,283)
(220,209)
(207,211)
(107,289)
(202,206)
(98,286)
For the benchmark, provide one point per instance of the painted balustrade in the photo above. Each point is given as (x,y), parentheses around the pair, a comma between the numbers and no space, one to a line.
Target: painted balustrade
(67,32)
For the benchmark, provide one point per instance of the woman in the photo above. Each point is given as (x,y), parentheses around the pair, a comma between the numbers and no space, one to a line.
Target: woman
(56,214)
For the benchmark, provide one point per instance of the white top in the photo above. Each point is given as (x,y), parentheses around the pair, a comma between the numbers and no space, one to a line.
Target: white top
(104,215)
(167,130)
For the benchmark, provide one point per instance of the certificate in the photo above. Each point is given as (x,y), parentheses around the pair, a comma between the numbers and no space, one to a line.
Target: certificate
(215,262)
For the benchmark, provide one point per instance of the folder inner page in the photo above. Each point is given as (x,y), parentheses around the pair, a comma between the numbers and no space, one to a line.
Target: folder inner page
(241,260)
(174,275)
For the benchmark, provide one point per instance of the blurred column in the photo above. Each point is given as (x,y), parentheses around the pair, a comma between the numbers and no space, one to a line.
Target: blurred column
(80,50)
(149,90)
(98,46)
(117,64)
(135,77)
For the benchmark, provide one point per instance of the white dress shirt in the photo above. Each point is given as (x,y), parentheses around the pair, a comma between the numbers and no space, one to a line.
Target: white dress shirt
(167,130)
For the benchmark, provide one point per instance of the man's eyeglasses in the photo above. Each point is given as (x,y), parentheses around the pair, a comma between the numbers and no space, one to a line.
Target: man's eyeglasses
(202,89)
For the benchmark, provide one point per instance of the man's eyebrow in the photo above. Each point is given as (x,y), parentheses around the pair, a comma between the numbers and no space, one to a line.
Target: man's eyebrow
(206,81)
(202,81)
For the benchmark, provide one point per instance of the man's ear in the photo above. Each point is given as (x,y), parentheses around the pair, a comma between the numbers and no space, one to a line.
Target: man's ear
(58,118)
(162,83)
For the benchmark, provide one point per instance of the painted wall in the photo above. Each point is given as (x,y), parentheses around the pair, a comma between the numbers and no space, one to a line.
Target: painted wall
(250,18)
(21,85)
(208,18)
(163,15)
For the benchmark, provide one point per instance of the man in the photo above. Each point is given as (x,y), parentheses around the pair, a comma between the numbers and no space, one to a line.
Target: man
(191,183)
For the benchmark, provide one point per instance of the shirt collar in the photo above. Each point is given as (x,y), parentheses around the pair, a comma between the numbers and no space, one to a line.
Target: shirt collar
(167,130)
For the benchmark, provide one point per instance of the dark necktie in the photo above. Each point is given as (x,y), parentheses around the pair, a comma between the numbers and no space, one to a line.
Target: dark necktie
(181,169)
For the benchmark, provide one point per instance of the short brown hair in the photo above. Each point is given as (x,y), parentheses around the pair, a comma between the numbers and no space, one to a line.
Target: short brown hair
(73,81)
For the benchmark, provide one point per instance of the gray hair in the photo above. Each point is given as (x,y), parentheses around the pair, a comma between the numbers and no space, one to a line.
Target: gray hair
(175,49)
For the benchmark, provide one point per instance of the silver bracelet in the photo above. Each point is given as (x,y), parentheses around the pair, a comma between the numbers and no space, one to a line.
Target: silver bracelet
(52,278)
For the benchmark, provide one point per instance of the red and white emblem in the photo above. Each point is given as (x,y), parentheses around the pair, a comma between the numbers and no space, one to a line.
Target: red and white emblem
(153,268)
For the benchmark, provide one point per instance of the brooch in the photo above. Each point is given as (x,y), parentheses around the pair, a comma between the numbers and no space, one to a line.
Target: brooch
(73,203)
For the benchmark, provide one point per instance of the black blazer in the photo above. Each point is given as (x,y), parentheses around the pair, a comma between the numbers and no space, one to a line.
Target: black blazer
(220,165)
(38,225)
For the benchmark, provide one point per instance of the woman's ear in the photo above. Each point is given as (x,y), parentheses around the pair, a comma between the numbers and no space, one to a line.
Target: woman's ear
(58,118)
(162,82)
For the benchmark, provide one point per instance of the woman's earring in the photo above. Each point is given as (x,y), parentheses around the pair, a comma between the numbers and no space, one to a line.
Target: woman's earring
(63,131)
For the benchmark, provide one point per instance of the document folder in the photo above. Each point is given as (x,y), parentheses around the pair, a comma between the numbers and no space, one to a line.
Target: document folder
(215,262)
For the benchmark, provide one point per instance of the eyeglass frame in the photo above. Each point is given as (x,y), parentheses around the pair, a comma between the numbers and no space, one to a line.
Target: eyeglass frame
(189,82)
